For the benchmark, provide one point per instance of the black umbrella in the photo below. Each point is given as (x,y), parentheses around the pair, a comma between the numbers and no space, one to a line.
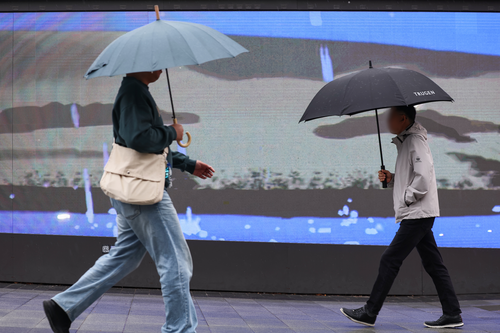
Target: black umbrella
(373,89)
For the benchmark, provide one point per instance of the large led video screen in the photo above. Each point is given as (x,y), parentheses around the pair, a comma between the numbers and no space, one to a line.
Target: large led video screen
(276,180)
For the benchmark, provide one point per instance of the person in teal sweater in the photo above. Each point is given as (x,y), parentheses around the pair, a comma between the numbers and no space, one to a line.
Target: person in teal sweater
(155,229)
(137,124)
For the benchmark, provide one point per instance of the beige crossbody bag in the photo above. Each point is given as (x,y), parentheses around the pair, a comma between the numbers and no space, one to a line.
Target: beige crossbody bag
(134,178)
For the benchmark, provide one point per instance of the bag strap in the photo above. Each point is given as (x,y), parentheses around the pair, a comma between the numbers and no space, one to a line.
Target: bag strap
(165,151)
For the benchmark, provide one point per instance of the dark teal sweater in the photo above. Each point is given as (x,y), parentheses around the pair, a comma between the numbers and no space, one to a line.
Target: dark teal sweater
(137,124)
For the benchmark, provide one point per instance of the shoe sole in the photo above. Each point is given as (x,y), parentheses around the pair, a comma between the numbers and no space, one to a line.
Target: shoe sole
(354,320)
(445,326)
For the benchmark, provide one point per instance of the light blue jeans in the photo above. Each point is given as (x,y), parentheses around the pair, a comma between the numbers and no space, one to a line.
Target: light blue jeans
(155,229)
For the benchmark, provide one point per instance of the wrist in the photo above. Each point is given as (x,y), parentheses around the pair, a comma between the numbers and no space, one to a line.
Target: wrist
(173,132)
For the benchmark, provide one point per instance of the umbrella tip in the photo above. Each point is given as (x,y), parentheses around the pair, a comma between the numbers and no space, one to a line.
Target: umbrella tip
(157,10)
(370,64)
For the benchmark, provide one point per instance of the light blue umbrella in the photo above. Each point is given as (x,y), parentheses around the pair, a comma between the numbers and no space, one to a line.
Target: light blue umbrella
(161,45)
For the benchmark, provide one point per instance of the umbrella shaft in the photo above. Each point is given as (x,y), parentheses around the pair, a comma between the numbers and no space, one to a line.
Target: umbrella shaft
(170,93)
(382,166)
(379,141)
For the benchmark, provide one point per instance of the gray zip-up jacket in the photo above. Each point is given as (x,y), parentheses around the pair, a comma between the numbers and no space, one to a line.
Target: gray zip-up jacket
(414,181)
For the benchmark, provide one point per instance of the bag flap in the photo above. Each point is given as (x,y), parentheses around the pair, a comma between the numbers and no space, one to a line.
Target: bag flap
(129,162)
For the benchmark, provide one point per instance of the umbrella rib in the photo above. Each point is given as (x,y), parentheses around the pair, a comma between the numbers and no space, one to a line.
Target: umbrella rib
(137,51)
(214,39)
(397,87)
(116,55)
(345,90)
(191,55)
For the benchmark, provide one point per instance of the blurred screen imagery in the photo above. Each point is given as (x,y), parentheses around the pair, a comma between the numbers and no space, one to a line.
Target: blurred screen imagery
(276,180)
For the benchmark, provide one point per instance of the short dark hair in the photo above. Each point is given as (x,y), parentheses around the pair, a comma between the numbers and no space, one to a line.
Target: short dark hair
(408,110)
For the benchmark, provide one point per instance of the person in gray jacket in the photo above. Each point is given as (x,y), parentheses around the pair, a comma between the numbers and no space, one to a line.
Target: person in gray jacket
(416,206)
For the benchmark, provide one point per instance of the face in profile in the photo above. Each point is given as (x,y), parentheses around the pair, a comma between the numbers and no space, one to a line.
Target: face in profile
(146,77)
(396,121)
(154,76)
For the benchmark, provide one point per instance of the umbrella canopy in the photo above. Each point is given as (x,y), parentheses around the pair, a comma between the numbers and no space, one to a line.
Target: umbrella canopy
(371,89)
(160,45)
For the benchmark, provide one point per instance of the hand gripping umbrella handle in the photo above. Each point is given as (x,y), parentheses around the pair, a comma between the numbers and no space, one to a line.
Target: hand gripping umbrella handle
(183,145)
(384,183)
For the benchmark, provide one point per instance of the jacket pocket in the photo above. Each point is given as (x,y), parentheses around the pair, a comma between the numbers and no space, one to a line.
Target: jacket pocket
(401,201)
(404,200)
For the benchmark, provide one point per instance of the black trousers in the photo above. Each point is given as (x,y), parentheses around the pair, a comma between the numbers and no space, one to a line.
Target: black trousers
(414,233)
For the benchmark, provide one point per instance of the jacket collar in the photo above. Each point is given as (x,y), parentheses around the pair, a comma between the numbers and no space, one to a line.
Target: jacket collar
(415,128)
(402,136)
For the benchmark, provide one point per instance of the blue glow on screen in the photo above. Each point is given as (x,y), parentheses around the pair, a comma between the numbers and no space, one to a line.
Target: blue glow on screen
(462,34)
(459,231)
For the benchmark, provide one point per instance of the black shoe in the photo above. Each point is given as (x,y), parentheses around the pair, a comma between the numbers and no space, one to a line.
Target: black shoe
(359,316)
(58,318)
(446,322)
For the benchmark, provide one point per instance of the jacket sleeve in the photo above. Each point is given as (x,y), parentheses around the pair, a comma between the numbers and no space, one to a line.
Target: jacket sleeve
(391,183)
(421,164)
(137,129)
(183,162)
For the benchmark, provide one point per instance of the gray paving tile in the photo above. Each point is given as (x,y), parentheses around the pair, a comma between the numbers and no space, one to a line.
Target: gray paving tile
(44,324)
(10,303)
(142,319)
(203,329)
(41,330)
(312,330)
(23,313)
(156,311)
(96,330)
(111,309)
(272,330)
(4,312)
(6,329)
(304,324)
(104,322)
(255,322)
(143,328)
(230,329)
(233,322)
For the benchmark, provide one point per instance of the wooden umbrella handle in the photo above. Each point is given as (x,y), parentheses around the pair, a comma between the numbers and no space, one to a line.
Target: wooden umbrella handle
(157,10)
(183,145)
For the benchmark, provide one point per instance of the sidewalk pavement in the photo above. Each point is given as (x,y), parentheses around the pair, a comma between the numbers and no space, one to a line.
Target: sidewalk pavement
(141,310)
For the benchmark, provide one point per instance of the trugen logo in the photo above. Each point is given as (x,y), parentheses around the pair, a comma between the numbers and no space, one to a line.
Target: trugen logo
(424,93)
